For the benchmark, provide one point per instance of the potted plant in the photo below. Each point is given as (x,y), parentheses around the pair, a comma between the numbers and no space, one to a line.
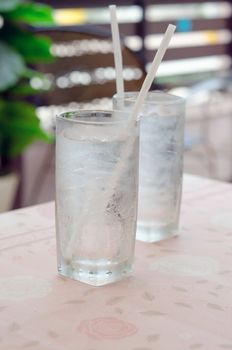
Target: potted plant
(20,49)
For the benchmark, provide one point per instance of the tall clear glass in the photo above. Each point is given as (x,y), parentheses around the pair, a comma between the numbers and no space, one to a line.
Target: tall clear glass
(161,163)
(96,195)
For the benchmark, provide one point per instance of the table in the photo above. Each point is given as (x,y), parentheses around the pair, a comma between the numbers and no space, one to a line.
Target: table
(180,296)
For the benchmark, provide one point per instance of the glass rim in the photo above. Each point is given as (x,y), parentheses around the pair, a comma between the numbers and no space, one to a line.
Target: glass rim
(88,113)
(174,99)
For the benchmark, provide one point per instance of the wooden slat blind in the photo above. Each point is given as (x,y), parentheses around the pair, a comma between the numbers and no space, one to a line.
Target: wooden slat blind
(210,17)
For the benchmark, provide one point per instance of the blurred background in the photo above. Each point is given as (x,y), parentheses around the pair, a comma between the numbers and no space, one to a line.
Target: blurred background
(56,56)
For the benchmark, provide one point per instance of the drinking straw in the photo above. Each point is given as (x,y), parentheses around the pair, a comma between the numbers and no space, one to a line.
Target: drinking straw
(152,72)
(117,52)
(113,180)
(136,109)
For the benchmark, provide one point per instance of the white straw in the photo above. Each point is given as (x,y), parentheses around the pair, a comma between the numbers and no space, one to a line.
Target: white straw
(117,52)
(152,71)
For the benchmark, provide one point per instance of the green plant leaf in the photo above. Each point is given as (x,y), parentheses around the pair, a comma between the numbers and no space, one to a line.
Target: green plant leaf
(11,66)
(33,48)
(32,13)
(31,73)
(8,5)
(20,125)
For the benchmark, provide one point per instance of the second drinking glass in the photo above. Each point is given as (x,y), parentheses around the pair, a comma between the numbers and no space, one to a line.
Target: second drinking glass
(161,163)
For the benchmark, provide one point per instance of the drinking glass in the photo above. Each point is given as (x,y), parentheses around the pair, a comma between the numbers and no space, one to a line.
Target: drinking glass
(161,163)
(96,195)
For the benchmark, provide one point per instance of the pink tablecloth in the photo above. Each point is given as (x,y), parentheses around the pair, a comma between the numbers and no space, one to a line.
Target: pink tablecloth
(180,296)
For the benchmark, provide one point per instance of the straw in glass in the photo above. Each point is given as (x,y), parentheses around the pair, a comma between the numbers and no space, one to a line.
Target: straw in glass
(136,109)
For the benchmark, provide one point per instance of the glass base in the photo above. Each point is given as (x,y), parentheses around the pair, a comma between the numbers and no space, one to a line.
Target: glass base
(153,232)
(95,274)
